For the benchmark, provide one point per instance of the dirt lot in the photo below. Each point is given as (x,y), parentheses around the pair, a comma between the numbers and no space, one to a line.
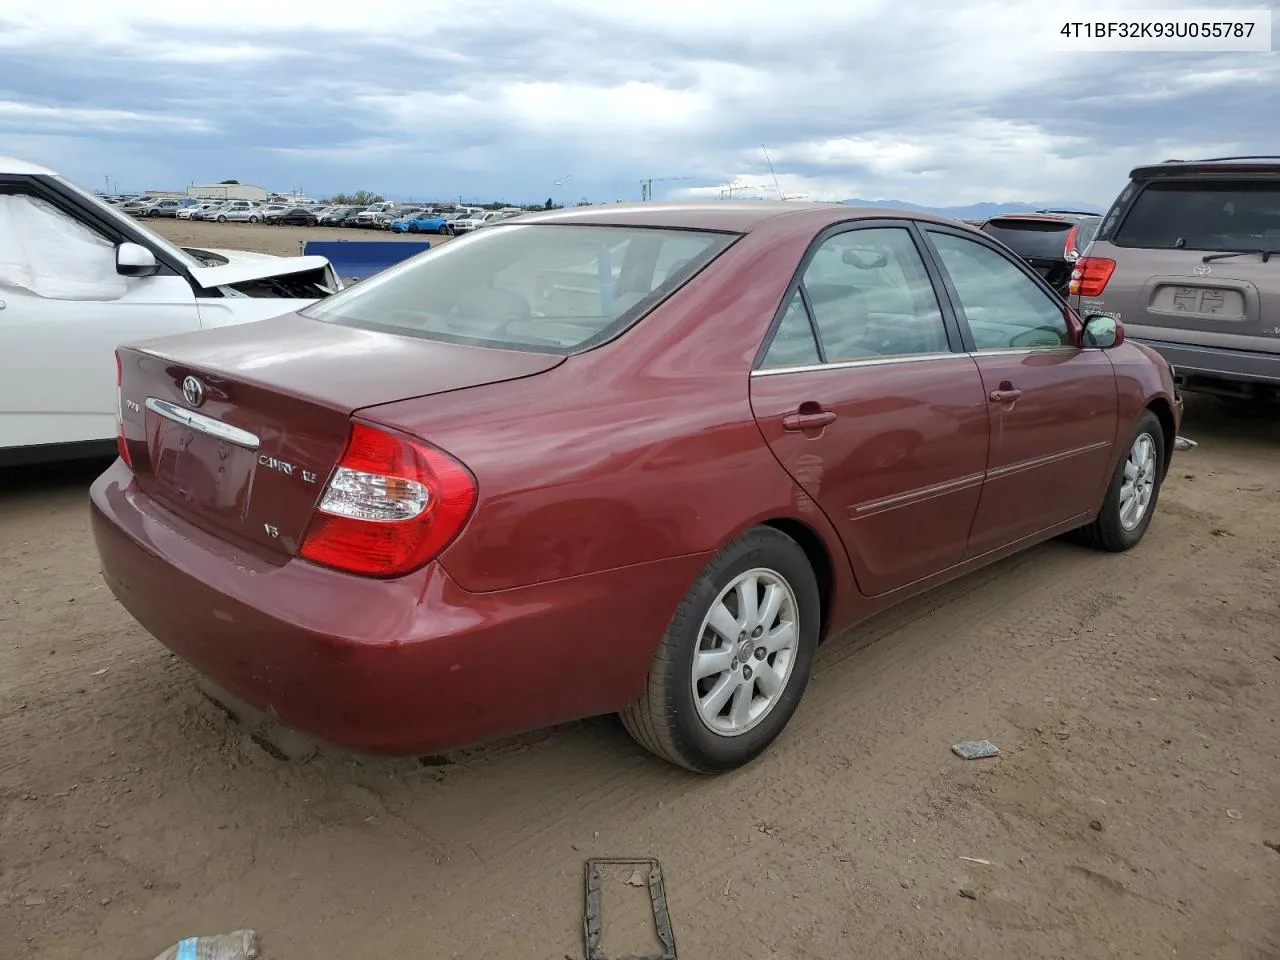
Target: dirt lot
(1135,698)
(282,241)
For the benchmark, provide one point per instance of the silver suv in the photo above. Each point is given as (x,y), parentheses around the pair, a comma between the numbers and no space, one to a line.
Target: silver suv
(1188,259)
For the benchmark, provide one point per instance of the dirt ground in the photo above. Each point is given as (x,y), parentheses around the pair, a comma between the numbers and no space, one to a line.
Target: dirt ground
(282,241)
(1135,699)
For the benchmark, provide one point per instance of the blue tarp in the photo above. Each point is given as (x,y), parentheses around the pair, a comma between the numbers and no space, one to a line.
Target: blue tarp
(360,259)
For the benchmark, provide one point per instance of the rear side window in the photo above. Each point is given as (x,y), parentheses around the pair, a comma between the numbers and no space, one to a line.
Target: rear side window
(793,344)
(553,287)
(872,297)
(1205,215)
(1033,239)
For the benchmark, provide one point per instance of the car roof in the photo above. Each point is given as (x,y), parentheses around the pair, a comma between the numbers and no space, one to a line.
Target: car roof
(15,167)
(732,216)
(1044,216)
(1213,166)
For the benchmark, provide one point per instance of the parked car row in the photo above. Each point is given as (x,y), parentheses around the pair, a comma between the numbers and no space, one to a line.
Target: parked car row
(384,215)
(1188,257)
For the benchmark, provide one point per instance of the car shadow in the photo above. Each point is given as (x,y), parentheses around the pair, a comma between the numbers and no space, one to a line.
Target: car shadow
(63,477)
(1215,418)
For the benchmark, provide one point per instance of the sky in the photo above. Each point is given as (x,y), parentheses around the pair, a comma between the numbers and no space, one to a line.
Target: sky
(937,103)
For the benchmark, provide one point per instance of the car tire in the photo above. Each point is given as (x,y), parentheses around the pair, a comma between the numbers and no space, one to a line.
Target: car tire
(689,721)
(254,219)
(222,218)
(1134,489)
(442,229)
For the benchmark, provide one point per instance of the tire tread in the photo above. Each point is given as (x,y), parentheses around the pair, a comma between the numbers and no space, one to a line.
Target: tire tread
(650,718)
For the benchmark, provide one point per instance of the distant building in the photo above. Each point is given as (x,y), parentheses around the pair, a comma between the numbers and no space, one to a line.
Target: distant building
(226,191)
(164,194)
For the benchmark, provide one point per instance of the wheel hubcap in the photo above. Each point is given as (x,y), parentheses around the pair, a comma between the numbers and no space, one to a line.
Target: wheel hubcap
(746,651)
(1138,482)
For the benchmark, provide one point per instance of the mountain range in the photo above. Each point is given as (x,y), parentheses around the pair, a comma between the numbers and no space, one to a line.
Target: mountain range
(976,211)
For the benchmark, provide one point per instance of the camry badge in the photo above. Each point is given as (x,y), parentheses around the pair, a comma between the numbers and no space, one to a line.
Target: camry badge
(192,392)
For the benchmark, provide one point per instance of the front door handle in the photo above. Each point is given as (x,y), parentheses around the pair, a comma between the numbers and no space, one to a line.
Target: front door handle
(807,421)
(1005,395)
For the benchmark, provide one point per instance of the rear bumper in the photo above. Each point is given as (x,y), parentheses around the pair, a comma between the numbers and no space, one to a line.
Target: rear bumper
(1211,362)
(406,666)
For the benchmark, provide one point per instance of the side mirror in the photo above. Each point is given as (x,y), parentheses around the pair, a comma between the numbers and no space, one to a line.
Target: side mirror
(1102,331)
(135,260)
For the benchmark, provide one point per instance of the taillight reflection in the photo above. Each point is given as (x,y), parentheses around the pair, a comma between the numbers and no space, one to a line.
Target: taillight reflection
(122,445)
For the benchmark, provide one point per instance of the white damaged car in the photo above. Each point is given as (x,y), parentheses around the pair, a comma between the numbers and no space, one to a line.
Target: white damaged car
(78,278)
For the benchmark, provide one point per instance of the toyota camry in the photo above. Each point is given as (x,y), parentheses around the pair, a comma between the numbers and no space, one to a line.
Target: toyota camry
(626,459)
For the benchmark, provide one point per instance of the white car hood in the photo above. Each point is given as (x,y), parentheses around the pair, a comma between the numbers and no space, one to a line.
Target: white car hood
(239,256)
(250,266)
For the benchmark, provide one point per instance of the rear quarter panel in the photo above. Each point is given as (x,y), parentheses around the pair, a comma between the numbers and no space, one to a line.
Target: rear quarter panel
(639,450)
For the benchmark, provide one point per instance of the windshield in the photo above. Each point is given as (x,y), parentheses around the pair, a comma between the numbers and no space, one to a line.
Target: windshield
(553,287)
(1036,239)
(1218,216)
(113,214)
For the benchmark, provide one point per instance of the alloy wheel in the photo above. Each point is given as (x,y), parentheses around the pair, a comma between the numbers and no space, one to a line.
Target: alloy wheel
(746,651)
(1139,481)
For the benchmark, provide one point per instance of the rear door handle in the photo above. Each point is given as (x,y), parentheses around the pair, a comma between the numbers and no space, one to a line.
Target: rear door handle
(807,421)
(1004,396)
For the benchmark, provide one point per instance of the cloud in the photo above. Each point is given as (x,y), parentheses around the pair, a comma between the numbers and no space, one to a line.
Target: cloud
(932,102)
(31,117)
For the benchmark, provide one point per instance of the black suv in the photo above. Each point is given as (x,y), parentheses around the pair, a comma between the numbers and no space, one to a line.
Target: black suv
(1050,240)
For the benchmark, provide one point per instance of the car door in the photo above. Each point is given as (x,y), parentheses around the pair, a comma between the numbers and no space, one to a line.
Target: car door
(63,311)
(1053,406)
(865,396)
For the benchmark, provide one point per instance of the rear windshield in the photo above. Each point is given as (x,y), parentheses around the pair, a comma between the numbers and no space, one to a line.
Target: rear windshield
(552,287)
(1204,215)
(1040,239)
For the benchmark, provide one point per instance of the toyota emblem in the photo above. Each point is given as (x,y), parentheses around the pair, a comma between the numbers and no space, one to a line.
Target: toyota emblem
(192,392)
(1202,270)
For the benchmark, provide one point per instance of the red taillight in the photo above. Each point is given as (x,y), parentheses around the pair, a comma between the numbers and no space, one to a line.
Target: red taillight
(122,445)
(391,505)
(1070,245)
(1090,276)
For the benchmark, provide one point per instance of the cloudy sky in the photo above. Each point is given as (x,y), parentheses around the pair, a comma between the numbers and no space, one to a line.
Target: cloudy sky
(932,102)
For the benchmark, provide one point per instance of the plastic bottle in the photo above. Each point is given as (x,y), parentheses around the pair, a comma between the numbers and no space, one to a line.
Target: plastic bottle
(241,945)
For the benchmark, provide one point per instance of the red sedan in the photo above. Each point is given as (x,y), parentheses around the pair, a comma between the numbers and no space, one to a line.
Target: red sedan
(635,459)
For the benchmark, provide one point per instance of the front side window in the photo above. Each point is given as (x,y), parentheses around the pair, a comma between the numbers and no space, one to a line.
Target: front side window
(47,252)
(554,287)
(872,297)
(1004,308)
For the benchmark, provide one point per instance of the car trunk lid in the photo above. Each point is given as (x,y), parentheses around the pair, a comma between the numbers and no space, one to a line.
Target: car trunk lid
(245,454)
